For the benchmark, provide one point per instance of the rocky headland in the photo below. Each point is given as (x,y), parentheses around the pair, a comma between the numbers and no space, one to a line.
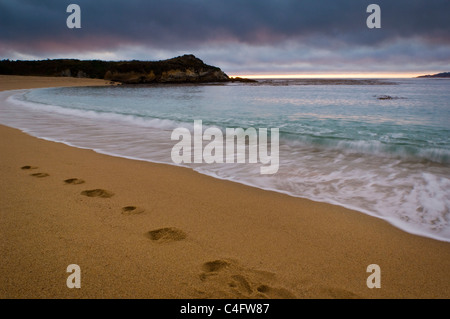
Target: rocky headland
(437,75)
(182,69)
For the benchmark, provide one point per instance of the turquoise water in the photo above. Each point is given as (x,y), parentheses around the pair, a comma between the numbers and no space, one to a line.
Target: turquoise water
(338,143)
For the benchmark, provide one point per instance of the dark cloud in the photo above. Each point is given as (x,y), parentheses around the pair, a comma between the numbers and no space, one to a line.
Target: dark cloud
(256,31)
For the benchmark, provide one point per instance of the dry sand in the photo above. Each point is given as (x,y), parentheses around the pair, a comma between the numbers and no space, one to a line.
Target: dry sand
(189,235)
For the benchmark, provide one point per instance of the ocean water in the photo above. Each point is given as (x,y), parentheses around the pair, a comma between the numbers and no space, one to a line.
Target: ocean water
(339,143)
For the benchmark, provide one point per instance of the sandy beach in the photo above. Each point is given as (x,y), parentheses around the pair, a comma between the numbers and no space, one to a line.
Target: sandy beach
(145,230)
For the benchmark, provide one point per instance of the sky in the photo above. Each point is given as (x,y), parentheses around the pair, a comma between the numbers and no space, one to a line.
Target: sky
(296,38)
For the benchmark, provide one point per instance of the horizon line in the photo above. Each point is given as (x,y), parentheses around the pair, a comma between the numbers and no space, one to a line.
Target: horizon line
(402,75)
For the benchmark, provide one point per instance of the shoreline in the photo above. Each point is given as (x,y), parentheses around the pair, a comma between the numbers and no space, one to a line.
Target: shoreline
(333,200)
(219,238)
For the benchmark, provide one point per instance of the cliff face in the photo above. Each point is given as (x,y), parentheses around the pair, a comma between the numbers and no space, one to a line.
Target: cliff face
(183,69)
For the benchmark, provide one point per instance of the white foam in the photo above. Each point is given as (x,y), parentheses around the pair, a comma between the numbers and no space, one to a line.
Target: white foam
(94,115)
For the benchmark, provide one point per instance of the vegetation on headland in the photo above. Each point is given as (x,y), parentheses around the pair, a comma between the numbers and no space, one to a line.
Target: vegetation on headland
(182,69)
(438,75)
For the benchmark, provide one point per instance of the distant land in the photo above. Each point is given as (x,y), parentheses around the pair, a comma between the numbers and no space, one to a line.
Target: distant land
(438,75)
(182,69)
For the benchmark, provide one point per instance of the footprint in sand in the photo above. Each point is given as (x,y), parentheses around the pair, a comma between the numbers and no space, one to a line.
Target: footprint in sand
(132,210)
(338,293)
(74,181)
(97,193)
(227,279)
(168,234)
(216,265)
(40,175)
(28,167)
(275,292)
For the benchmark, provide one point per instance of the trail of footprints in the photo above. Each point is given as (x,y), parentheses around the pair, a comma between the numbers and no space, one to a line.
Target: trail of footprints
(219,278)
(100,193)
(162,235)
